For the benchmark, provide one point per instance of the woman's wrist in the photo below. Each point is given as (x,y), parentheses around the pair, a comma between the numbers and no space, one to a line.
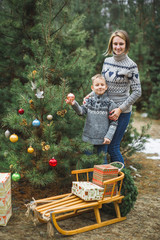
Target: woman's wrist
(120,110)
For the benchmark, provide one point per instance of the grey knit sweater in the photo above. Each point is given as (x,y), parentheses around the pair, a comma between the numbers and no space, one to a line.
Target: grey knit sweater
(121,75)
(97,125)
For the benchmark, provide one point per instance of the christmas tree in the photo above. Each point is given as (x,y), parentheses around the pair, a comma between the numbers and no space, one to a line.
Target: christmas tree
(42,139)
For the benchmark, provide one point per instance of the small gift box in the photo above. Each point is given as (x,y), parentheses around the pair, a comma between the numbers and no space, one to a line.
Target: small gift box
(5,198)
(4,217)
(5,203)
(5,184)
(87,191)
(102,173)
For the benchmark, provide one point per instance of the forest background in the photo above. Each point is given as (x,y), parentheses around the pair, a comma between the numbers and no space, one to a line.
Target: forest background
(49,48)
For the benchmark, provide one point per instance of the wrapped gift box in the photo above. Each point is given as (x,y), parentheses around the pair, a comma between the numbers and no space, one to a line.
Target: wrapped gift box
(5,203)
(5,184)
(87,191)
(102,173)
(5,198)
(4,217)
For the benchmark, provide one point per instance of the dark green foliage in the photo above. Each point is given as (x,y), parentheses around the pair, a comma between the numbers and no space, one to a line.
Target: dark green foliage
(134,141)
(129,190)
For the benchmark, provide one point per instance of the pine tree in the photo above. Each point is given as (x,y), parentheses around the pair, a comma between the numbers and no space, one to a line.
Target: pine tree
(55,62)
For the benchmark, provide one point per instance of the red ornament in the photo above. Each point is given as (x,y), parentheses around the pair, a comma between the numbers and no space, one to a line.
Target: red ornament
(53,162)
(21,111)
(71,97)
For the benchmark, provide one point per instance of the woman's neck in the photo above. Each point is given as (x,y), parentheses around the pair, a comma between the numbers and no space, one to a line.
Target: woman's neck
(119,57)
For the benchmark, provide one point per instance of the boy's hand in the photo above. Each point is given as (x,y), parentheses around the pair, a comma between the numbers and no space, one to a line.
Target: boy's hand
(107,141)
(70,102)
(70,99)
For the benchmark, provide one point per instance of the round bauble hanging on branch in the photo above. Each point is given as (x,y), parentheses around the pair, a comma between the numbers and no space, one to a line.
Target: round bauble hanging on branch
(13,138)
(5,153)
(30,149)
(16,177)
(53,162)
(49,117)
(36,123)
(21,111)
(7,133)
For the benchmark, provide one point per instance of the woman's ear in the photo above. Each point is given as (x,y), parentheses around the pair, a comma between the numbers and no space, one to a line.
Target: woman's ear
(92,87)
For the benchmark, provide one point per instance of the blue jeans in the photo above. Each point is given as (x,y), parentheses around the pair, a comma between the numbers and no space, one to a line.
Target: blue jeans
(102,149)
(114,146)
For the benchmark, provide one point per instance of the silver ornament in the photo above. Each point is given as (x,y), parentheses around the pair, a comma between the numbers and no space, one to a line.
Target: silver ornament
(5,153)
(49,117)
(7,133)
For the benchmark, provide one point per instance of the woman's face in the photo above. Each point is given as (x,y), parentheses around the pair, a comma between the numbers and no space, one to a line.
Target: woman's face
(118,45)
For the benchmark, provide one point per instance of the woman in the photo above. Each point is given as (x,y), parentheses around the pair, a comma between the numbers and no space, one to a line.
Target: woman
(121,75)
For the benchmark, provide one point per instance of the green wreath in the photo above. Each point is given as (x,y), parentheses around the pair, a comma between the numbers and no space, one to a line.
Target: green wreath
(130,192)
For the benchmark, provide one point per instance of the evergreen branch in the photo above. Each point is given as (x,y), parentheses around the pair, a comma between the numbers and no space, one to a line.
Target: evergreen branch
(65,3)
(57,30)
(25,30)
(63,92)
(2,34)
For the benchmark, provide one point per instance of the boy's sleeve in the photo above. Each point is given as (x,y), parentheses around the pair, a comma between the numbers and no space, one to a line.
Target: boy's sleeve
(112,124)
(80,110)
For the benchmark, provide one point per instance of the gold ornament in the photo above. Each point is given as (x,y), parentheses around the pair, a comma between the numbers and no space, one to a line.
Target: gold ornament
(11,166)
(43,149)
(34,72)
(47,147)
(42,143)
(13,138)
(31,101)
(62,112)
(31,104)
(24,122)
(30,149)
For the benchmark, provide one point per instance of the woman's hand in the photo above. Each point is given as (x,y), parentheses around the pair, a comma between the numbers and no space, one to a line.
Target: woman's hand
(114,114)
(84,99)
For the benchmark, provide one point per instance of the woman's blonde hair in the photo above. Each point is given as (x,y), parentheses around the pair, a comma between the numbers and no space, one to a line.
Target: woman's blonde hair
(118,33)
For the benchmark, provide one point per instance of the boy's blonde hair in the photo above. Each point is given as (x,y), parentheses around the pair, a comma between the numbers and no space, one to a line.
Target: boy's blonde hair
(99,76)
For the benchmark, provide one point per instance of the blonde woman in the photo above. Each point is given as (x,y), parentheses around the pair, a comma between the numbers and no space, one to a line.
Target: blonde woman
(124,88)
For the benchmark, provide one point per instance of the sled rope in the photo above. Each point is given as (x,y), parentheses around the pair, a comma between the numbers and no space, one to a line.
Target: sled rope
(31,207)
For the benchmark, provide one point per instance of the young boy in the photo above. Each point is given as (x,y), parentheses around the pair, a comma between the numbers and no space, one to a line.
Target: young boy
(98,129)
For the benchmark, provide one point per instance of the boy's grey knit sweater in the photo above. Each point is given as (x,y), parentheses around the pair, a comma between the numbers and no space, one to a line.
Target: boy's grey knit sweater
(97,125)
(121,75)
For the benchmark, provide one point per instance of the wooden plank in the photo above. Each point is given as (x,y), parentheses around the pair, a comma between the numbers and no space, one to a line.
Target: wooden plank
(82,171)
(97,214)
(73,197)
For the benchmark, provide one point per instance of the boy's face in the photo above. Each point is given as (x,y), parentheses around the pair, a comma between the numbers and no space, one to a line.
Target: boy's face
(99,86)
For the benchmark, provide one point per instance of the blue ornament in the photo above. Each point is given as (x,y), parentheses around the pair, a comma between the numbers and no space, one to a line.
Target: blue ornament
(36,123)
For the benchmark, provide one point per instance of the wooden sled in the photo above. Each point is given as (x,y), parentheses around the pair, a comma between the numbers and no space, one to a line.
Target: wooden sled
(68,205)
